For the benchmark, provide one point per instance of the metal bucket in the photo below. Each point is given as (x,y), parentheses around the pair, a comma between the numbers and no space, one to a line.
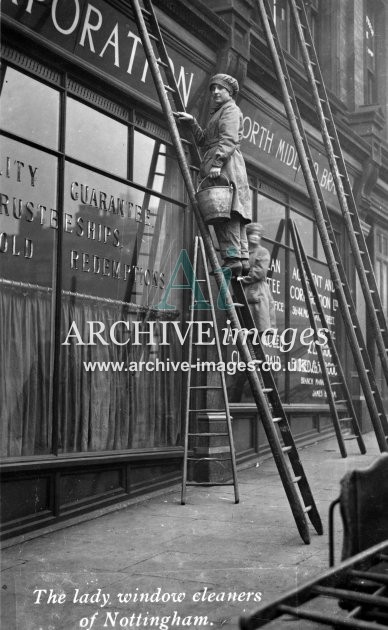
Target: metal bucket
(215,202)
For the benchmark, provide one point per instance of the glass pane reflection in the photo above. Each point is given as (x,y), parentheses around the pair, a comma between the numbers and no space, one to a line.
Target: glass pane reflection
(306,232)
(28,224)
(120,248)
(23,100)
(269,214)
(119,243)
(28,214)
(155,166)
(95,138)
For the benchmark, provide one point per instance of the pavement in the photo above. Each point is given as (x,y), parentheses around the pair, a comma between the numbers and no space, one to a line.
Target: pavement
(160,565)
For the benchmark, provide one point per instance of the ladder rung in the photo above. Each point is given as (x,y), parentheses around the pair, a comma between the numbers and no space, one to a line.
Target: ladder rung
(208,434)
(162,63)
(236,304)
(296,479)
(169,88)
(344,419)
(350,437)
(209,459)
(337,383)
(206,409)
(339,402)
(205,387)
(277,419)
(286,449)
(307,508)
(267,390)
(151,36)
(208,483)
(143,10)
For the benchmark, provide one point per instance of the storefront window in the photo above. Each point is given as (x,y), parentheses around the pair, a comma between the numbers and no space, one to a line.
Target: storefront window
(96,139)
(120,245)
(305,227)
(155,166)
(297,373)
(270,214)
(306,382)
(28,225)
(23,100)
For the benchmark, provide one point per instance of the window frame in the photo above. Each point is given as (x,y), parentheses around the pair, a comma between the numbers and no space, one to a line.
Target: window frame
(65,82)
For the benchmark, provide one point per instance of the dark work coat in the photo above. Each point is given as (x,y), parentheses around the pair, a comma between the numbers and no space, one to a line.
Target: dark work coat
(259,296)
(221,148)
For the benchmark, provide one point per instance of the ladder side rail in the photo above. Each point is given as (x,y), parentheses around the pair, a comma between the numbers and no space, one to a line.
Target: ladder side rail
(348,309)
(186,410)
(311,183)
(176,95)
(307,289)
(344,191)
(276,246)
(331,345)
(305,269)
(354,333)
(258,395)
(273,397)
(222,375)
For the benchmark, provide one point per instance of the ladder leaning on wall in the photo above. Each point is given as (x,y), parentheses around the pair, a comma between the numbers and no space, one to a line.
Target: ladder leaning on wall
(363,264)
(337,392)
(296,487)
(343,293)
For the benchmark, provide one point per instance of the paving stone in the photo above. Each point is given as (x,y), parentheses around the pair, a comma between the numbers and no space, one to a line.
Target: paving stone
(208,547)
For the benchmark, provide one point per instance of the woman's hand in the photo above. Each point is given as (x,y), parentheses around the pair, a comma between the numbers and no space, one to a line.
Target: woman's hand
(214,172)
(184,116)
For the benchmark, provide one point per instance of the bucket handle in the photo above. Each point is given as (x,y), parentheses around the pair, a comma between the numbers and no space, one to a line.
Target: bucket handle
(219,177)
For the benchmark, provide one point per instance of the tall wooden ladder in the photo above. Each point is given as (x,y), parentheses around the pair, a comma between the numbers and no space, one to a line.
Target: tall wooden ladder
(362,261)
(192,435)
(166,88)
(270,391)
(347,308)
(337,390)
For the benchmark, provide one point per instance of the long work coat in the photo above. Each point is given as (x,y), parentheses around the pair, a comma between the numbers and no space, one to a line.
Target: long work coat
(220,141)
(259,296)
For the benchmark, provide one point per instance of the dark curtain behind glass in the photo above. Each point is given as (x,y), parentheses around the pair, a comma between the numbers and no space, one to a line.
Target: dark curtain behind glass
(99,411)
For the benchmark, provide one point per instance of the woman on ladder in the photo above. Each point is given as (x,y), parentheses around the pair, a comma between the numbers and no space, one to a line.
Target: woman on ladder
(222,156)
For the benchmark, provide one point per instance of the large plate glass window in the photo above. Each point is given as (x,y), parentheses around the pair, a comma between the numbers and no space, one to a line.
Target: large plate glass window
(28,226)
